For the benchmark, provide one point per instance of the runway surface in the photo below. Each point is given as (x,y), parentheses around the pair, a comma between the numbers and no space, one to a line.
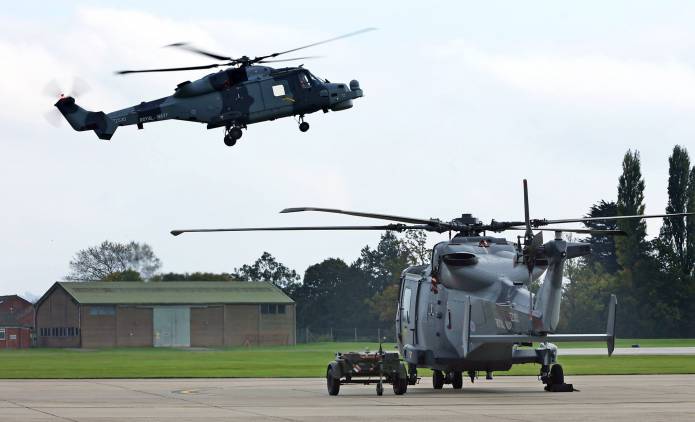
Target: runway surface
(615,398)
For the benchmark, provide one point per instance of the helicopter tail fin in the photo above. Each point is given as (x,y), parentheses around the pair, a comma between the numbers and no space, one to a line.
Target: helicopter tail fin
(81,119)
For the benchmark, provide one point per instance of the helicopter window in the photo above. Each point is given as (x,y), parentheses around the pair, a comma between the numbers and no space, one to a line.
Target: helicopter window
(304,81)
(278,90)
(405,304)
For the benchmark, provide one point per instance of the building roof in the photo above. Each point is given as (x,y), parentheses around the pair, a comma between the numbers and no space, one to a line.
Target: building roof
(21,315)
(173,292)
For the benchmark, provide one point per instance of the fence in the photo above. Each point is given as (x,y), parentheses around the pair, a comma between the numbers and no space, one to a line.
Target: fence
(364,334)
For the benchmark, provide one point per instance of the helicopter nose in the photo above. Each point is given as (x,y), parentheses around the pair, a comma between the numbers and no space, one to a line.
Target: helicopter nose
(340,95)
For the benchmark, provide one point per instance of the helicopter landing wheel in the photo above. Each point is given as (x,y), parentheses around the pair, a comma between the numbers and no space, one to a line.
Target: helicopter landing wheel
(229,141)
(304,126)
(233,134)
(437,379)
(557,375)
(457,380)
(380,388)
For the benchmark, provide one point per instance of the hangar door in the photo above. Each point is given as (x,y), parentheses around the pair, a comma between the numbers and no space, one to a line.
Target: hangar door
(172,326)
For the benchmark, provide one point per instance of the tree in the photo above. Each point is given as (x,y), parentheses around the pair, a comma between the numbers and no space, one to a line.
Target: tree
(602,246)
(98,262)
(197,276)
(383,266)
(674,231)
(690,226)
(267,268)
(127,275)
(631,248)
(332,294)
(415,243)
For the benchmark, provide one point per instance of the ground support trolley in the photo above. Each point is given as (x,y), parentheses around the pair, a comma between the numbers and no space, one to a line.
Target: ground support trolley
(367,368)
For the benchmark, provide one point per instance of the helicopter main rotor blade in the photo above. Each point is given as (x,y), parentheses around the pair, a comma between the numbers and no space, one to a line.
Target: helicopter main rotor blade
(544,222)
(581,231)
(361,31)
(289,60)
(186,46)
(367,215)
(391,227)
(527,219)
(171,69)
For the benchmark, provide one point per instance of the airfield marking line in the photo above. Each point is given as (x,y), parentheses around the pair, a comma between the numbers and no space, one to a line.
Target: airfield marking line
(38,410)
(200,404)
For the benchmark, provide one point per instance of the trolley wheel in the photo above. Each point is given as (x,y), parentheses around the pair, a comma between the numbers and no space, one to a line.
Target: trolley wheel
(332,383)
(400,385)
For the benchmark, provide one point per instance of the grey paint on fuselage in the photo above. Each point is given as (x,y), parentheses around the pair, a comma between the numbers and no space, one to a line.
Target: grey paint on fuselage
(486,272)
(231,97)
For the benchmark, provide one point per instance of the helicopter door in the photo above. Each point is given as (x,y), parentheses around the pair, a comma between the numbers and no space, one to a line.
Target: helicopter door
(278,96)
(408,312)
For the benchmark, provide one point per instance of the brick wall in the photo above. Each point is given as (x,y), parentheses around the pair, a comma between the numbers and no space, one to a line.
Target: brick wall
(207,326)
(133,326)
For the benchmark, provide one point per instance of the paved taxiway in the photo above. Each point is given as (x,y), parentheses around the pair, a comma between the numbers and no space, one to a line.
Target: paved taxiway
(615,398)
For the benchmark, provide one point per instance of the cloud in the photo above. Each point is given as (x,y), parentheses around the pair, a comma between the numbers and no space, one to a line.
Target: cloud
(594,79)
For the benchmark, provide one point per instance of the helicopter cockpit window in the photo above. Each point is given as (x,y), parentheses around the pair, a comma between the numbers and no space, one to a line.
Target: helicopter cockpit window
(315,79)
(304,80)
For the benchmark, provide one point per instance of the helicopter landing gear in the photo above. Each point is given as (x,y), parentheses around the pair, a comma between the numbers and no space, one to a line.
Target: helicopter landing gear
(412,374)
(303,126)
(554,379)
(456,380)
(437,379)
(231,135)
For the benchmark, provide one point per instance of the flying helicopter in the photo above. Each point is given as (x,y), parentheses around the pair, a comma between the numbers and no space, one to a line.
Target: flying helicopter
(244,93)
(471,308)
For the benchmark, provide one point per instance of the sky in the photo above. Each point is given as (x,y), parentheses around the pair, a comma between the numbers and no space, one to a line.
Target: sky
(463,100)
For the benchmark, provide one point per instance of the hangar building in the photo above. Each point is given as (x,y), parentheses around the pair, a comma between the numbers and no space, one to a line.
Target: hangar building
(16,322)
(164,314)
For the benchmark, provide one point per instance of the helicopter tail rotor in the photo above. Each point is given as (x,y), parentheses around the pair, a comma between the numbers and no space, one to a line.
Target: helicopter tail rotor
(55,91)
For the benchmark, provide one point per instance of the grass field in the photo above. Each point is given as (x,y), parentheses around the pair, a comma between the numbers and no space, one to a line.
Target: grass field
(305,360)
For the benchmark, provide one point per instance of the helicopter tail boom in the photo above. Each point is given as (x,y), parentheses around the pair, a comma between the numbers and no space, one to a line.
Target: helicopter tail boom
(609,336)
(81,119)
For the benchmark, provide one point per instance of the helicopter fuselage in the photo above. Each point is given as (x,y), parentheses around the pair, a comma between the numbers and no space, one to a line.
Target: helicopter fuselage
(470,309)
(242,96)
(231,98)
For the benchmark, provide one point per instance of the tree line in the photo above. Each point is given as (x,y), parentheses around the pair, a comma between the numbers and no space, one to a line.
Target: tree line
(653,278)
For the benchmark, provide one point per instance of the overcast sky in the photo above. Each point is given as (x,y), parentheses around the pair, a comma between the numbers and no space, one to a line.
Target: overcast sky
(462,101)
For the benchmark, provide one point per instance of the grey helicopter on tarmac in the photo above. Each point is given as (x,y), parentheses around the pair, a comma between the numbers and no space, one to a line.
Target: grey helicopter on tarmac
(471,309)
(246,92)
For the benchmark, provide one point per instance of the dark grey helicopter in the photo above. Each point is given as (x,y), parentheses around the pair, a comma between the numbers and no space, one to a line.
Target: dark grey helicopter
(470,309)
(240,95)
